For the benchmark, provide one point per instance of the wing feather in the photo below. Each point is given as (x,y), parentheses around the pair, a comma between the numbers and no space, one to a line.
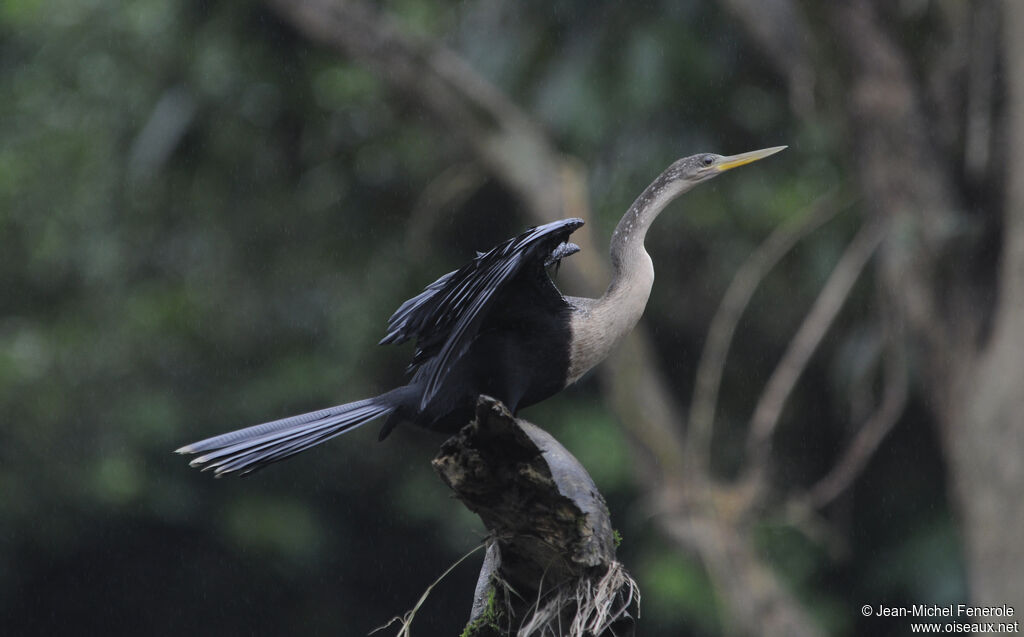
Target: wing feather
(445,317)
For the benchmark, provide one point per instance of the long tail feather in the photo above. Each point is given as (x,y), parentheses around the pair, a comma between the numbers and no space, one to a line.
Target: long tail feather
(248,449)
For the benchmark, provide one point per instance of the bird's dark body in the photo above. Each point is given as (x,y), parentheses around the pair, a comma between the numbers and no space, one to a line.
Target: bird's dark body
(520,355)
(518,359)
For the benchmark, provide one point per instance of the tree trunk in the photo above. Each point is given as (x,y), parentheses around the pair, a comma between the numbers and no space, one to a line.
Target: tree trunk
(985,433)
(551,556)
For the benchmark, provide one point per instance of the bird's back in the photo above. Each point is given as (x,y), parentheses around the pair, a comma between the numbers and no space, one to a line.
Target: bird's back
(496,326)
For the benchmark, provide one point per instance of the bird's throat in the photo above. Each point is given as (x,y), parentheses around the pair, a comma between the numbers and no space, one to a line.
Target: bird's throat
(597,325)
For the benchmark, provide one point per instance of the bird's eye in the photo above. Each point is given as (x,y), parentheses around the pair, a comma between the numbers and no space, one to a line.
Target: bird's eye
(707,160)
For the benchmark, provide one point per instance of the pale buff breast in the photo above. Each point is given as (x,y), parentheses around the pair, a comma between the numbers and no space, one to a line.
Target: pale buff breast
(597,325)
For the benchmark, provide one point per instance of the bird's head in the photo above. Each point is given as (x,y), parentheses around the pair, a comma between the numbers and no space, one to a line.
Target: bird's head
(697,168)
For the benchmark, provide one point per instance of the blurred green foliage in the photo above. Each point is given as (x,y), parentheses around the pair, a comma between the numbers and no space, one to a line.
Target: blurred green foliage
(203,224)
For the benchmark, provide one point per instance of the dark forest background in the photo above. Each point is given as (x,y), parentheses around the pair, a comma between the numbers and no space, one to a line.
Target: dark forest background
(209,209)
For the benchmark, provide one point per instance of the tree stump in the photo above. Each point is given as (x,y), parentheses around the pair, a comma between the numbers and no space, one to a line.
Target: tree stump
(550,567)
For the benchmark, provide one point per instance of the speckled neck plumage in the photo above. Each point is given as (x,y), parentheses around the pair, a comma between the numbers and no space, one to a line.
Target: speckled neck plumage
(597,325)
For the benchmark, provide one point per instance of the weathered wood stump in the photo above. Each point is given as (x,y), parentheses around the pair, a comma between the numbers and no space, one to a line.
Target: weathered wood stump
(550,567)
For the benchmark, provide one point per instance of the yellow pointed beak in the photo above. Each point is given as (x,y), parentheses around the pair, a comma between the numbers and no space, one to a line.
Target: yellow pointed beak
(734,161)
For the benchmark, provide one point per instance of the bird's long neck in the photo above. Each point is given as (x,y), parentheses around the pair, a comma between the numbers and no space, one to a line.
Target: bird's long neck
(603,322)
(630,261)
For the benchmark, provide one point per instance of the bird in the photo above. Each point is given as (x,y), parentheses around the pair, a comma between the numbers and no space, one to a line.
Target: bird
(497,326)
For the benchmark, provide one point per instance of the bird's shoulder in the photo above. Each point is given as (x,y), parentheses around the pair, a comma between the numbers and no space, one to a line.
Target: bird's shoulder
(580,304)
(467,291)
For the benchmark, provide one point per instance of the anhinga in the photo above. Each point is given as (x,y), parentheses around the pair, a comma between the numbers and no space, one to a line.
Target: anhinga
(496,326)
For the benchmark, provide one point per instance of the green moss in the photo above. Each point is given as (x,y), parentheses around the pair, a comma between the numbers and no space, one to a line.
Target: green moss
(489,619)
(617,536)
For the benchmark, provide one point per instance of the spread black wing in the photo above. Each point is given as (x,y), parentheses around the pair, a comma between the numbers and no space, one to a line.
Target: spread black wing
(445,318)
